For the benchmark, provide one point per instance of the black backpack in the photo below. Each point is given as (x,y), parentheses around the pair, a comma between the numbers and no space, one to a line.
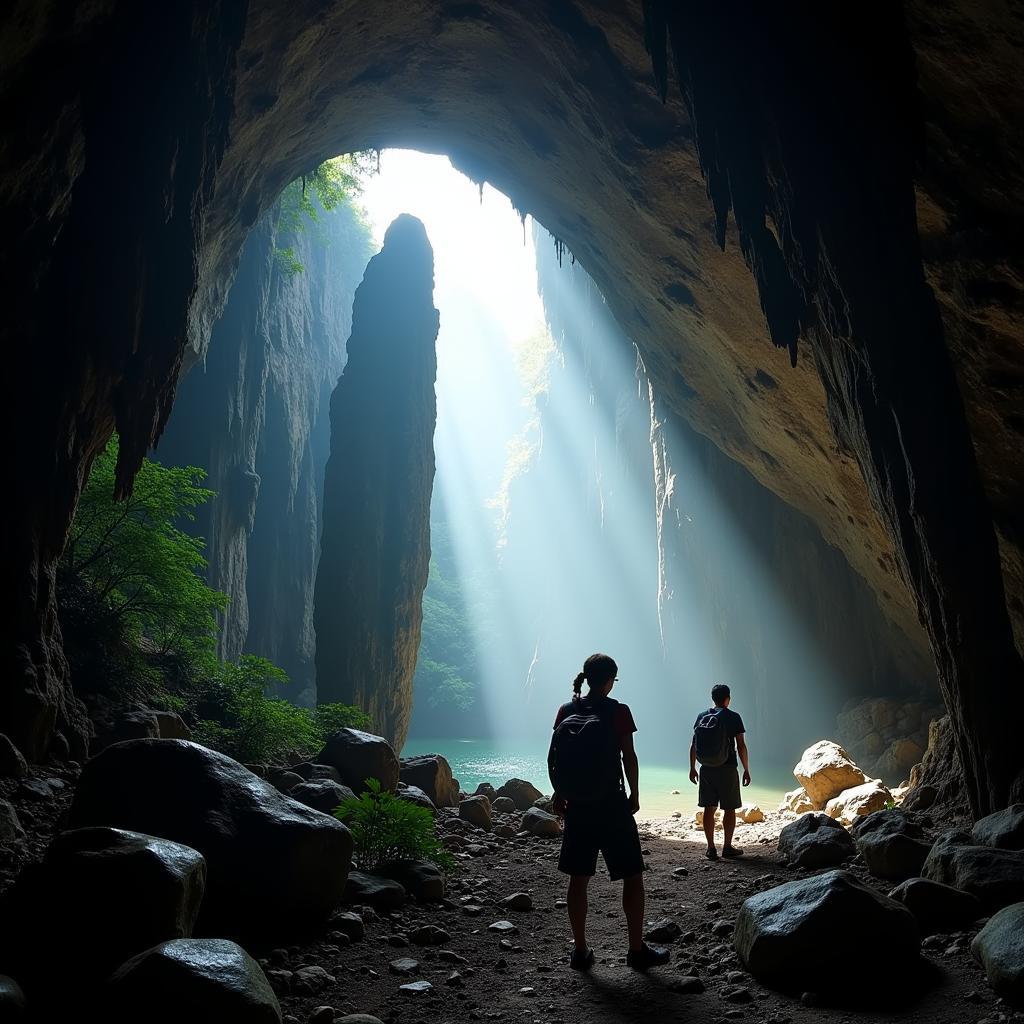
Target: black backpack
(711,740)
(584,762)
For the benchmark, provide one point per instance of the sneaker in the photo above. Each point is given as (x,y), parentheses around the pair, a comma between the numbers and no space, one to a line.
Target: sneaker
(647,956)
(731,851)
(581,959)
(711,853)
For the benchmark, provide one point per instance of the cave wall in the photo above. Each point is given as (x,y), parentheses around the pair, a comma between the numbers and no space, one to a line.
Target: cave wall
(254,414)
(556,105)
(375,541)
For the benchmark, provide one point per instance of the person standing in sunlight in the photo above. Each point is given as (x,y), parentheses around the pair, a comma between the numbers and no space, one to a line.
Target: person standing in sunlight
(591,745)
(717,738)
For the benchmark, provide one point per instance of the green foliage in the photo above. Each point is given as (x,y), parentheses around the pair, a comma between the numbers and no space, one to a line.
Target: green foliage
(323,190)
(240,718)
(385,828)
(141,570)
(332,717)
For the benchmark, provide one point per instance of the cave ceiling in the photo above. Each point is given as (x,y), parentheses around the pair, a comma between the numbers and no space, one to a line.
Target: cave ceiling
(568,122)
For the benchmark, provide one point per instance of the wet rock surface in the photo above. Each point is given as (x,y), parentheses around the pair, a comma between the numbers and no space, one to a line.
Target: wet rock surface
(255,839)
(357,756)
(995,876)
(999,947)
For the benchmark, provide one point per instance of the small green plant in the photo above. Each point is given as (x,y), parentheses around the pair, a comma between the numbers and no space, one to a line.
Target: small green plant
(241,720)
(890,805)
(385,828)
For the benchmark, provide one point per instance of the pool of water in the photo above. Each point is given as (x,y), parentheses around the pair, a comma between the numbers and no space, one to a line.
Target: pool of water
(476,761)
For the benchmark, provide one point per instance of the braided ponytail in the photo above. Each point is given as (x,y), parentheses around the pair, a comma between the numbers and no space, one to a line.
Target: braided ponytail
(577,686)
(597,670)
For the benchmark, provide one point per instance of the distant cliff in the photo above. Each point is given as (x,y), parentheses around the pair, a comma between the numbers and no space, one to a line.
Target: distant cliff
(255,416)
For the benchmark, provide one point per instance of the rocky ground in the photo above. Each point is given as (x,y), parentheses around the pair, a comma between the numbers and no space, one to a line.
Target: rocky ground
(461,968)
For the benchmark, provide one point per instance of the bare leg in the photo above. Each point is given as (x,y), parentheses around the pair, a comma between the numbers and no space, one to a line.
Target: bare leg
(633,905)
(729,824)
(709,825)
(577,901)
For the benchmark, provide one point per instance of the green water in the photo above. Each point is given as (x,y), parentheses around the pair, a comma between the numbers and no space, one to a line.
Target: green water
(476,761)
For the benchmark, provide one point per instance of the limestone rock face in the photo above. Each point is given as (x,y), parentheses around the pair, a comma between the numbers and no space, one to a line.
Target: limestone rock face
(825,770)
(254,839)
(375,545)
(818,927)
(254,415)
(199,980)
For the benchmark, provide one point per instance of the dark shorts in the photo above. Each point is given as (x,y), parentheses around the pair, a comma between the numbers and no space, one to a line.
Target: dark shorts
(719,787)
(608,828)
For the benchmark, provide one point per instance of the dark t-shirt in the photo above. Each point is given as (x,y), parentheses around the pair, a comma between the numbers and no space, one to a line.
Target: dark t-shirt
(733,726)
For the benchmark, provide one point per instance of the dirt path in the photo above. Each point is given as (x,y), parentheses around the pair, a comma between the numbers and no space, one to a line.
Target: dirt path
(531,981)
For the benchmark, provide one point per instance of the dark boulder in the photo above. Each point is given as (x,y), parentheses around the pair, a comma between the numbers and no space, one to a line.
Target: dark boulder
(487,790)
(358,756)
(273,864)
(201,981)
(378,892)
(937,907)
(1004,829)
(323,771)
(819,928)
(432,774)
(995,876)
(415,795)
(172,726)
(893,844)
(10,826)
(125,725)
(815,840)
(503,805)
(421,878)
(12,762)
(477,811)
(13,1005)
(999,948)
(540,823)
(321,794)
(99,896)
(522,792)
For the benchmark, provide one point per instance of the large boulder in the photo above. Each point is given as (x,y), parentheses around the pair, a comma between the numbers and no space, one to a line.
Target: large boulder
(477,811)
(273,864)
(420,878)
(12,762)
(503,805)
(122,724)
(540,823)
(859,801)
(172,726)
(999,948)
(797,801)
(1004,829)
(815,841)
(202,981)
(819,928)
(432,774)
(522,793)
(323,795)
(487,790)
(995,876)
(825,770)
(13,1004)
(415,795)
(892,844)
(358,756)
(378,892)
(99,896)
(937,907)
(10,826)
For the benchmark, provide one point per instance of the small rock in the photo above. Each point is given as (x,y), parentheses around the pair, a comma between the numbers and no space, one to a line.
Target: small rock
(681,872)
(322,1015)
(736,994)
(405,965)
(310,980)
(518,901)
(451,958)
(429,935)
(350,924)
(398,940)
(454,980)
(665,930)
(539,823)
(34,789)
(416,987)
(477,811)
(527,990)
(472,909)
(722,928)
(503,927)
